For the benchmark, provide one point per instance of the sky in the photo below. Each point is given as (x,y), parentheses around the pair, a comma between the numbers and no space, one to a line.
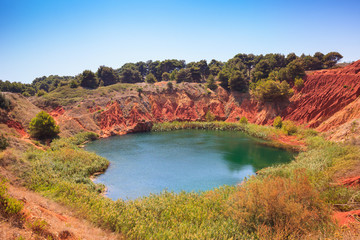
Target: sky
(64,37)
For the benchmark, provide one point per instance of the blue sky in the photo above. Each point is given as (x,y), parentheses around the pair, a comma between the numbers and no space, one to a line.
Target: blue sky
(65,37)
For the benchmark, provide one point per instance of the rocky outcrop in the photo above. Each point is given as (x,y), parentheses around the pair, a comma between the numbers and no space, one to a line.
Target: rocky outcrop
(328,99)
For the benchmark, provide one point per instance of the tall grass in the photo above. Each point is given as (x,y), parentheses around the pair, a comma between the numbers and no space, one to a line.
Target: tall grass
(263,132)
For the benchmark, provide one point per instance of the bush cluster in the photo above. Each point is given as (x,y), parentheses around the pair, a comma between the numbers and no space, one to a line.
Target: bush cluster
(269,90)
(43,126)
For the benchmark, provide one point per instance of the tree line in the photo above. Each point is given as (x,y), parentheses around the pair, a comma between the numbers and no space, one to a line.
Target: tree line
(243,72)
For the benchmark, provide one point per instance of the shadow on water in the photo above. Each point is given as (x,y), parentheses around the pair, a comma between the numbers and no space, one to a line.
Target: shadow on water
(190,160)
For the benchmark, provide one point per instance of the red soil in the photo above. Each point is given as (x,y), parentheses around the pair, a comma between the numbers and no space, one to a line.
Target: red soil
(17,126)
(57,112)
(325,93)
(351,182)
(346,218)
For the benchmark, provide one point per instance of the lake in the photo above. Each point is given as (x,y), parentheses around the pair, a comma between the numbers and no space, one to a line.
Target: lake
(184,160)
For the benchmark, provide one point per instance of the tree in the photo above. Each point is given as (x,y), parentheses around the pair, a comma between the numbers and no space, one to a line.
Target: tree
(223,77)
(277,122)
(184,75)
(165,76)
(269,90)
(88,79)
(130,75)
(211,83)
(43,126)
(331,59)
(237,82)
(195,74)
(150,78)
(4,102)
(291,57)
(107,75)
(295,70)
(261,70)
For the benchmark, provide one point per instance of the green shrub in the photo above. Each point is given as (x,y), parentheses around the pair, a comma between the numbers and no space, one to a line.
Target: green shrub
(139,90)
(211,84)
(4,102)
(3,142)
(170,86)
(26,94)
(299,83)
(73,84)
(277,122)
(289,127)
(243,120)
(279,208)
(269,90)
(150,78)
(40,93)
(43,126)
(88,79)
(209,116)
(8,206)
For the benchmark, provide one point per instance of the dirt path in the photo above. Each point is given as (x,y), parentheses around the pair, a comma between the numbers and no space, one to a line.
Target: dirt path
(62,222)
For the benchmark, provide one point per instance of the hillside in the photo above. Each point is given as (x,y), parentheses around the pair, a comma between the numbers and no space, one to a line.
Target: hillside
(328,101)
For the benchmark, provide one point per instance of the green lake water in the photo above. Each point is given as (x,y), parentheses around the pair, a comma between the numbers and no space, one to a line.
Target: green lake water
(189,160)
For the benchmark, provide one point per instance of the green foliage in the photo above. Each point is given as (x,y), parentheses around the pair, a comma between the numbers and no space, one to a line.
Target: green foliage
(184,75)
(107,75)
(165,76)
(139,90)
(269,90)
(4,102)
(299,83)
(43,126)
(88,79)
(277,122)
(223,77)
(279,208)
(243,120)
(8,206)
(4,143)
(331,59)
(26,94)
(289,127)
(170,86)
(209,116)
(41,93)
(294,70)
(130,75)
(211,84)
(237,82)
(150,78)
(73,84)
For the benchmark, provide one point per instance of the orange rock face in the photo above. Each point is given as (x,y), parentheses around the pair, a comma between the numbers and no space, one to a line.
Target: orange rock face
(324,94)
(17,126)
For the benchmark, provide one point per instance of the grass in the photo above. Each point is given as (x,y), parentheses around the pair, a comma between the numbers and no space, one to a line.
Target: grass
(283,202)
(65,95)
(9,206)
(262,132)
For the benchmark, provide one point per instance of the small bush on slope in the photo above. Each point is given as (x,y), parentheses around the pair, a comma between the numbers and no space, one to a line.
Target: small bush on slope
(43,126)
(280,208)
(9,207)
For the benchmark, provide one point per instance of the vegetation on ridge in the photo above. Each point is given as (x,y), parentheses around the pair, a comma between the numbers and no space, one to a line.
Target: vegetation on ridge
(237,74)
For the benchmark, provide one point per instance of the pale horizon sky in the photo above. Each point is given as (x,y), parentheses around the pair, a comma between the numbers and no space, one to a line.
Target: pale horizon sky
(41,38)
